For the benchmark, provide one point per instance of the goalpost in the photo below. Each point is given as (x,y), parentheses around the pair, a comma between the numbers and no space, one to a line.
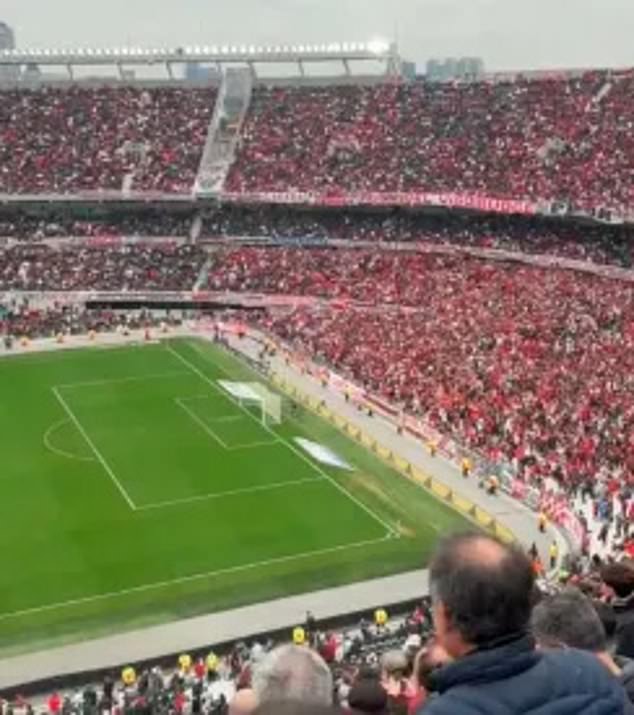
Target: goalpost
(255,394)
(271,404)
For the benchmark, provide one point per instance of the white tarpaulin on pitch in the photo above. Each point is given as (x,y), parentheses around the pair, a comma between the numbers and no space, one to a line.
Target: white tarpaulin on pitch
(322,454)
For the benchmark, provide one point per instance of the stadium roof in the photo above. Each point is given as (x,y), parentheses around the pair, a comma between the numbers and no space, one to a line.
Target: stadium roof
(377,49)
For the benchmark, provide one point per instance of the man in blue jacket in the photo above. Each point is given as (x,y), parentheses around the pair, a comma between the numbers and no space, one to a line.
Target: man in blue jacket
(482,593)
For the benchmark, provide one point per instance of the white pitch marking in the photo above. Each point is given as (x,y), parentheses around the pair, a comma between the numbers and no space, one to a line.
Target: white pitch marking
(194,577)
(180,401)
(92,446)
(390,530)
(232,493)
(227,419)
(200,423)
(56,450)
(121,380)
(254,445)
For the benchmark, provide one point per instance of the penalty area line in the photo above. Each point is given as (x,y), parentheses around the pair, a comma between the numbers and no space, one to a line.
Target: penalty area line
(230,493)
(194,577)
(122,380)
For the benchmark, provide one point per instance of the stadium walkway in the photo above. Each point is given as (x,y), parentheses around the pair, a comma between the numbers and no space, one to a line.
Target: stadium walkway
(201,632)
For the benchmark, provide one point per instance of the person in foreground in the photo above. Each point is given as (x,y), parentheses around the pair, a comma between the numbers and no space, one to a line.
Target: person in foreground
(482,594)
(570,620)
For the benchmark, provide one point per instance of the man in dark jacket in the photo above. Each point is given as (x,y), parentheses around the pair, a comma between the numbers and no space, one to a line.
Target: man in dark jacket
(620,578)
(570,620)
(482,594)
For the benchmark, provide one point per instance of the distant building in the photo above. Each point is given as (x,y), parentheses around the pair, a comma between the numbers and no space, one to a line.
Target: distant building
(465,69)
(7,38)
(195,72)
(7,42)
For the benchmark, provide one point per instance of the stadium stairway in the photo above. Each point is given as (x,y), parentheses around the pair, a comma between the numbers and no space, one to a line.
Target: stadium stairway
(230,110)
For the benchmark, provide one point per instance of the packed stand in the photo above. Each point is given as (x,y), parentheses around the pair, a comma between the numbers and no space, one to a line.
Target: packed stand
(519,363)
(19,320)
(38,267)
(597,244)
(23,226)
(561,138)
(489,640)
(84,139)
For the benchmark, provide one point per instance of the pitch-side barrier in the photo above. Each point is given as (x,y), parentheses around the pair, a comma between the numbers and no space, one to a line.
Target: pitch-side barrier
(433,486)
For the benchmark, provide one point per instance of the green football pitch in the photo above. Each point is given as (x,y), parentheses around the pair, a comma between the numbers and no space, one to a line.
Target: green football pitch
(134,490)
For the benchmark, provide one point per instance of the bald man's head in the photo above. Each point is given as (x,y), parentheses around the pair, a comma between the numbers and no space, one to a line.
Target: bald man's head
(244,702)
(482,591)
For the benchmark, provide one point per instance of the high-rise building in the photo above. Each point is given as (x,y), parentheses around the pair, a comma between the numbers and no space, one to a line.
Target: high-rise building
(7,42)
(7,38)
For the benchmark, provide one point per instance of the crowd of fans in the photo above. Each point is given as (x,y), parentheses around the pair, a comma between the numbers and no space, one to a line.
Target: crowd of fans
(490,634)
(526,364)
(37,267)
(601,244)
(20,320)
(560,138)
(84,139)
(23,226)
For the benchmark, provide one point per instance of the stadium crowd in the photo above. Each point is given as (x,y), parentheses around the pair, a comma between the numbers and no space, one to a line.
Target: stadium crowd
(81,138)
(559,138)
(530,365)
(600,244)
(37,267)
(22,226)
(492,639)
(19,320)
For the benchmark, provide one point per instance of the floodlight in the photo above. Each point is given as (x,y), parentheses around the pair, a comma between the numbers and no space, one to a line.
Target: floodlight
(378,46)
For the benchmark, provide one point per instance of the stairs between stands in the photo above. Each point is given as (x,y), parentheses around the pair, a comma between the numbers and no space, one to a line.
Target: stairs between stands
(231,108)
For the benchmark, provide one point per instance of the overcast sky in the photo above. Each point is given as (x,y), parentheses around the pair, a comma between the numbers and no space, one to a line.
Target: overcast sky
(508,34)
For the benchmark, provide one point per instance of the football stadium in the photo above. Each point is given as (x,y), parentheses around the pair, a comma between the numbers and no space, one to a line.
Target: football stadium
(316,381)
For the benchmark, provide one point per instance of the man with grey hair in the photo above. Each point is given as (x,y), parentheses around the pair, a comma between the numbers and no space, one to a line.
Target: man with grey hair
(482,596)
(570,620)
(293,673)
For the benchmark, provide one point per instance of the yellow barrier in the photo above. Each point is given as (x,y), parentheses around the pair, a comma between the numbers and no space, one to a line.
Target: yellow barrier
(402,464)
(503,533)
(420,477)
(440,489)
(483,518)
(366,440)
(383,452)
(462,504)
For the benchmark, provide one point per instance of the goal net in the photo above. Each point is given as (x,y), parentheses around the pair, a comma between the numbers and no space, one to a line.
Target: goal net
(255,395)
(270,402)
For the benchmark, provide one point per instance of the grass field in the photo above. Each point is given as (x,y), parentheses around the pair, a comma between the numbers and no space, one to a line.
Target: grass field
(134,490)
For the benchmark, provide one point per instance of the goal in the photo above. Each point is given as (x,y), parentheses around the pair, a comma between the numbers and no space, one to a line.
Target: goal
(255,395)
(270,403)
